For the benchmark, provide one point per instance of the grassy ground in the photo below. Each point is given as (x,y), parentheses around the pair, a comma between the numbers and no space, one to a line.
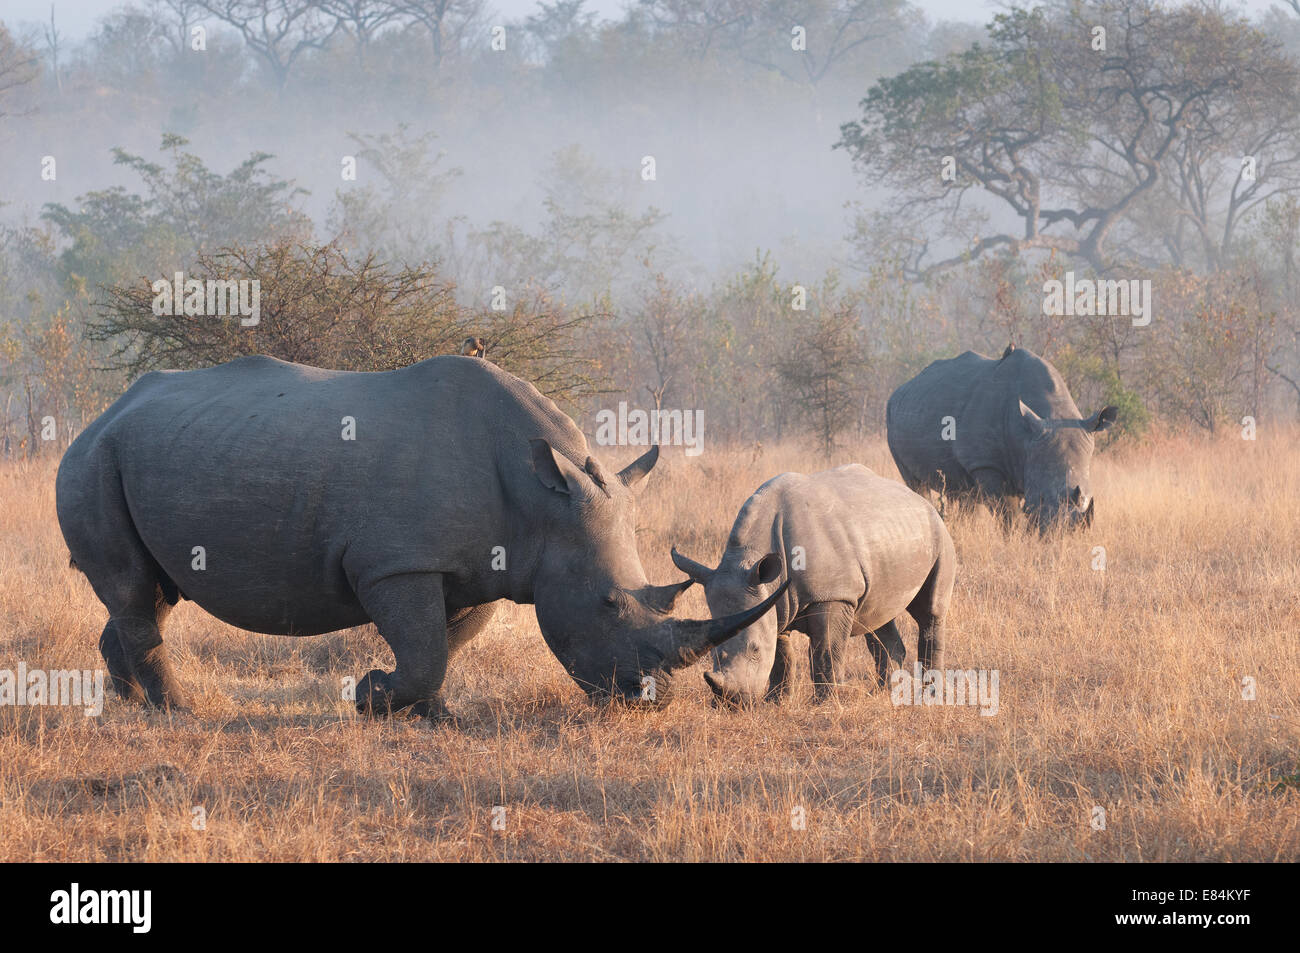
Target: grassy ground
(1119,689)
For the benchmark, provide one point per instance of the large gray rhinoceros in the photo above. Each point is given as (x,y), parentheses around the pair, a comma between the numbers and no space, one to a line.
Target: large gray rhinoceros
(291,500)
(862,550)
(994,430)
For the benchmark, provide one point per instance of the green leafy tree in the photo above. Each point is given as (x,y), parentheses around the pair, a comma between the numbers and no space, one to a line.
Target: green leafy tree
(397,216)
(186,209)
(1075,142)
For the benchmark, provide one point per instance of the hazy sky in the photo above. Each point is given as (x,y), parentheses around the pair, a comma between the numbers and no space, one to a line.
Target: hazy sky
(76,17)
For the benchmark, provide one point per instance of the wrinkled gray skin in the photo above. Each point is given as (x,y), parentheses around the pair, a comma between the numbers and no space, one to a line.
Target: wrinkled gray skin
(305,532)
(1018,434)
(872,550)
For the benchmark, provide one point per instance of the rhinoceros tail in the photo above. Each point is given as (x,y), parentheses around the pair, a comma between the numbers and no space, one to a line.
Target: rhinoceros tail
(72,564)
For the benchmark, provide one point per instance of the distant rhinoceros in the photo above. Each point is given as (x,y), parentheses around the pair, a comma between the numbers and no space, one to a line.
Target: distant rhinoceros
(292,500)
(994,430)
(861,551)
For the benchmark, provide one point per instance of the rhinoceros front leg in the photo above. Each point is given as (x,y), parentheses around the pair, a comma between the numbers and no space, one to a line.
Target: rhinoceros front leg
(778,682)
(411,616)
(992,489)
(828,625)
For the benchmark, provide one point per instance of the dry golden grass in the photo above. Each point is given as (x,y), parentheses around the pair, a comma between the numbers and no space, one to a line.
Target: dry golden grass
(1119,689)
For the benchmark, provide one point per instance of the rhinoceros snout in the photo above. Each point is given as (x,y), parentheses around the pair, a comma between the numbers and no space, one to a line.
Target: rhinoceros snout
(725,697)
(650,691)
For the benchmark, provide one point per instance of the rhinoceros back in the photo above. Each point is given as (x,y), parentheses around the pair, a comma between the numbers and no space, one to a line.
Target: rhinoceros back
(859,535)
(263,489)
(917,418)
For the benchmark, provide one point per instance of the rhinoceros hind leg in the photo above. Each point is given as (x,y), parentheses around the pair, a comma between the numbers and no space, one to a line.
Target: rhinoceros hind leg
(887,648)
(411,616)
(139,639)
(931,606)
(119,670)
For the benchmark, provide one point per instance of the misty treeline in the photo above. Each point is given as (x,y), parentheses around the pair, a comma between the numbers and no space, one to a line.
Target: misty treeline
(1124,141)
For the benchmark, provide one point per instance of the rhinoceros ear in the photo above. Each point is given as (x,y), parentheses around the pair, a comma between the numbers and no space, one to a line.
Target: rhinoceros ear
(1103,419)
(553,470)
(662,598)
(1032,420)
(765,570)
(697,571)
(635,472)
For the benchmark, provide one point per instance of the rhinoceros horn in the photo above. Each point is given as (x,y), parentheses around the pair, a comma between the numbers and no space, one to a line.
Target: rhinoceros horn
(686,640)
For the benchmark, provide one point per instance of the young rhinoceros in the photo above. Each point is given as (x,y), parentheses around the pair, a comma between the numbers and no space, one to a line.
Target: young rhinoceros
(861,550)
